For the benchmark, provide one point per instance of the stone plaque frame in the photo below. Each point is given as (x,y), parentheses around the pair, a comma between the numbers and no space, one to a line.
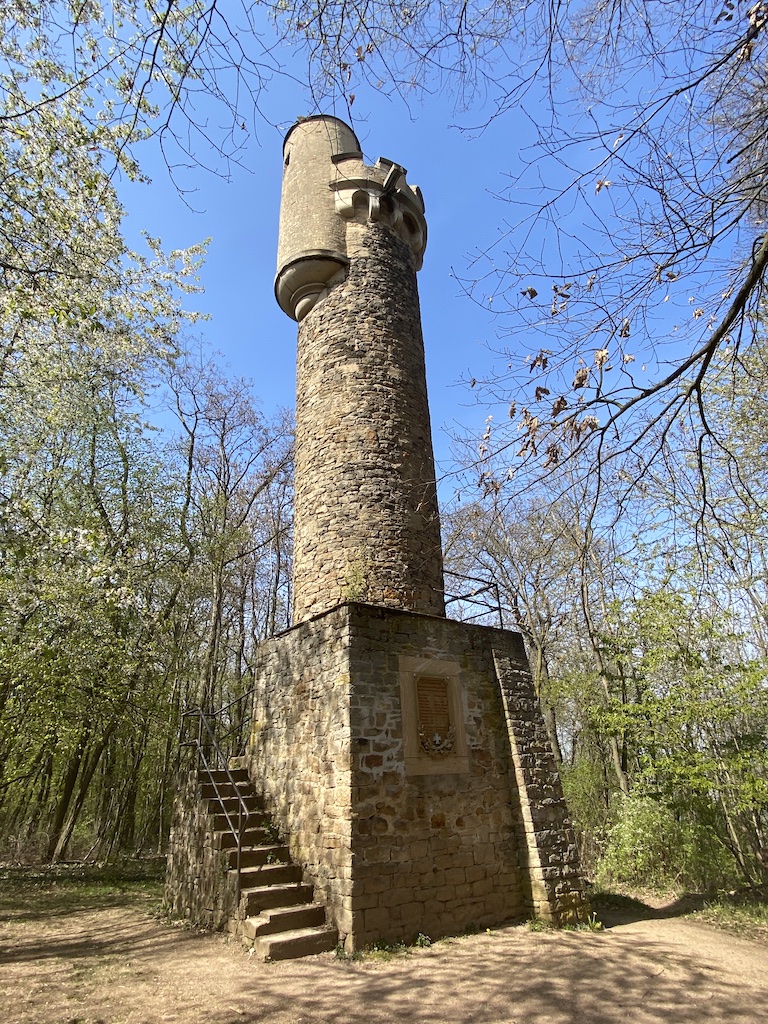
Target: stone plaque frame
(432,673)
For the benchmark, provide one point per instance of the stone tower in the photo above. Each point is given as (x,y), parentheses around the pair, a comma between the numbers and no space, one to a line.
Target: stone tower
(402,754)
(366,524)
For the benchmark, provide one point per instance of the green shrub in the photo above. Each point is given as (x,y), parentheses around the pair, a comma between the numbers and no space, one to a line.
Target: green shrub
(651,846)
(584,792)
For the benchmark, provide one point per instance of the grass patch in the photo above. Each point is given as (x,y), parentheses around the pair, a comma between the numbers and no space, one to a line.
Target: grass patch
(743,912)
(67,888)
(381,951)
(535,924)
(384,951)
(592,924)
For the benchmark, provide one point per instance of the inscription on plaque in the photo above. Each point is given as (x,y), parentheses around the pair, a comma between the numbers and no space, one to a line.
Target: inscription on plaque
(435,730)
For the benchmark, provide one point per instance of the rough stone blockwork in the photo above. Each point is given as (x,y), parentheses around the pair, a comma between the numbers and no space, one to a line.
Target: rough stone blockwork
(196,877)
(367,523)
(548,841)
(393,853)
(299,757)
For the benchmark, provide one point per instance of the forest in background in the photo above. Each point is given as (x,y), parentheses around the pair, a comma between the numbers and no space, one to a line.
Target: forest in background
(145,500)
(646,628)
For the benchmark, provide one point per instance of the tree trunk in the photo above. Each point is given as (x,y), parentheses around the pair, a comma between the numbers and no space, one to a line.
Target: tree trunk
(92,763)
(65,795)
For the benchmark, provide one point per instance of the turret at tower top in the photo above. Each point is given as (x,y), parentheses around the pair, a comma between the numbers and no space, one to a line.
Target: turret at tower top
(327,184)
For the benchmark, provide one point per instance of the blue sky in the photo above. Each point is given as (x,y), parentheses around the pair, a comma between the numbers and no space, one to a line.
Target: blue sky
(458,176)
(461,176)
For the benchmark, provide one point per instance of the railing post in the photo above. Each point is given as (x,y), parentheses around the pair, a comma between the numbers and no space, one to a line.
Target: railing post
(207,741)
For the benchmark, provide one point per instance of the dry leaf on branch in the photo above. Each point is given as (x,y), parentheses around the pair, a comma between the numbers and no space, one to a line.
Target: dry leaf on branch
(558,406)
(581,378)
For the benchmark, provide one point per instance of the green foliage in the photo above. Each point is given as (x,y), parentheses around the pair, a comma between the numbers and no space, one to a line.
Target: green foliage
(386,950)
(693,713)
(354,957)
(592,924)
(650,846)
(584,788)
(744,912)
(87,329)
(272,832)
(653,679)
(135,575)
(536,924)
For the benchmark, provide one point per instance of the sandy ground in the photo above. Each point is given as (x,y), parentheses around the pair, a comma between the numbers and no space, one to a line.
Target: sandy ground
(116,964)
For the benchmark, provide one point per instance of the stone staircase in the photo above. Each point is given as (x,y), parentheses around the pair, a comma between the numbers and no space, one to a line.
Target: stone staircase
(277,915)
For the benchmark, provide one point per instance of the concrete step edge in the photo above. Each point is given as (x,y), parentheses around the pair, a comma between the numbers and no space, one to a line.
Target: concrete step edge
(290,886)
(274,868)
(264,848)
(299,942)
(218,775)
(225,841)
(255,900)
(277,920)
(232,800)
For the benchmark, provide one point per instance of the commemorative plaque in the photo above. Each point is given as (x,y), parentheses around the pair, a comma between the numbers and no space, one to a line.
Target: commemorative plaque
(435,731)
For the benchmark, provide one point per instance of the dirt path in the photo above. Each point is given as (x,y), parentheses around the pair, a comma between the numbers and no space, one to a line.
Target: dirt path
(117,965)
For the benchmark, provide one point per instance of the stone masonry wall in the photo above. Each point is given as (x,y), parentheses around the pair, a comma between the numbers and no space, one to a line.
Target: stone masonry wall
(432,853)
(391,852)
(366,519)
(299,753)
(557,889)
(196,877)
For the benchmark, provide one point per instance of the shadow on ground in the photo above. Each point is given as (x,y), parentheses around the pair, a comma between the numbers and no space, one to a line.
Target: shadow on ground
(117,965)
(614,908)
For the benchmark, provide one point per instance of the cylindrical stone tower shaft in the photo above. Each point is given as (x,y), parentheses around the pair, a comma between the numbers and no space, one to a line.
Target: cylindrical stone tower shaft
(366,523)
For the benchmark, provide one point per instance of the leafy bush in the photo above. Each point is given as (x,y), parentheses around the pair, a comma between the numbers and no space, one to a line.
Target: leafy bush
(584,791)
(651,846)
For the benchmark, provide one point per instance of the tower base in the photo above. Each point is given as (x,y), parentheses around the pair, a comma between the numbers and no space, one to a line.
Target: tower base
(406,760)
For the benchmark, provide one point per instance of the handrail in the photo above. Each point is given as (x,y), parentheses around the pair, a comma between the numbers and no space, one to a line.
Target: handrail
(470,598)
(204,742)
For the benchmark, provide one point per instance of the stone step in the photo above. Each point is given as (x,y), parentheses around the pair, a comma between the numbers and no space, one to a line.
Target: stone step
(256,819)
(221,777)
(248,800)
(252,837)
(276,913)
(269,853)
(228,797)
(268,874)
(296,943)
(283,919)
(232,806)
(255,900)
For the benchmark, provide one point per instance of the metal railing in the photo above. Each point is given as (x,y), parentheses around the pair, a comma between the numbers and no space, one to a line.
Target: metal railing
(472,596)
(213,750)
